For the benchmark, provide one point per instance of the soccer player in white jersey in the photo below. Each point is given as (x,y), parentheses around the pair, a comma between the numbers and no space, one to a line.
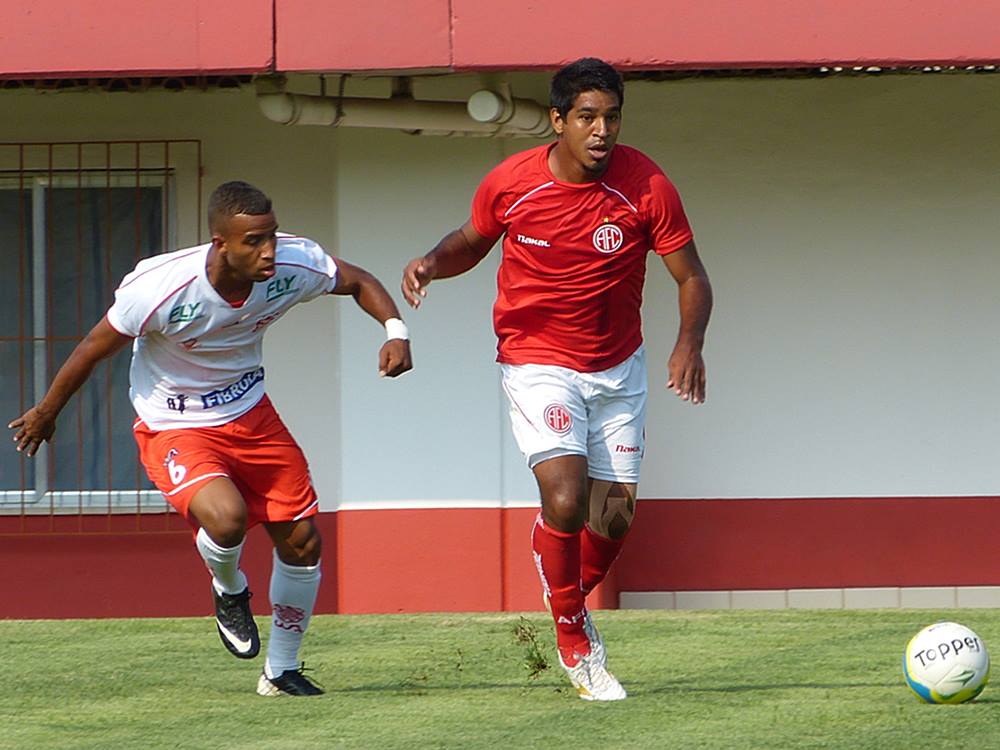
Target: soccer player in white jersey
(208,435)
(578,218)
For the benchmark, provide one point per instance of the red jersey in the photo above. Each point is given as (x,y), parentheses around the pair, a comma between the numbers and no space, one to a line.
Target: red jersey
(570,282)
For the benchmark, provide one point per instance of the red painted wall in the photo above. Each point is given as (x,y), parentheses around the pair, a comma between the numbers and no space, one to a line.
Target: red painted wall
(680,545)
(53,38)
(479,559)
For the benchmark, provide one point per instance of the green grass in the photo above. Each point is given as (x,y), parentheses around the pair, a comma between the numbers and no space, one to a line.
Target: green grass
(734,679)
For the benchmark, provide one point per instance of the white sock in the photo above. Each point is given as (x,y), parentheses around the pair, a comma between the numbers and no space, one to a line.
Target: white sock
(293,594)
(223,562)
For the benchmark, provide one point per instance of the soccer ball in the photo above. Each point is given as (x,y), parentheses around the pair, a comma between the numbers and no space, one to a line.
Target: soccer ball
(946,663)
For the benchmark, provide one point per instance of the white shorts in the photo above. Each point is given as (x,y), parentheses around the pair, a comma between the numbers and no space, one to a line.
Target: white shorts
(556,411)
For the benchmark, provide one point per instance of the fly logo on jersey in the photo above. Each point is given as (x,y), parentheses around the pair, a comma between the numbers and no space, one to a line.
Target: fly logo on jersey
(607,238)
(185,313)
(233,392)
(558,418)
(280,287)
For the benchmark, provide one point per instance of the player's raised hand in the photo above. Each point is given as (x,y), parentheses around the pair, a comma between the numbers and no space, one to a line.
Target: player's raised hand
(394,358)
(416,276)
(687,374)
(32,429)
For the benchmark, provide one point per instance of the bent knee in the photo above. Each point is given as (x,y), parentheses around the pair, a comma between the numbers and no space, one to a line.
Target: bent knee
(612,508)
(227,529)
(565,512)
(302,551)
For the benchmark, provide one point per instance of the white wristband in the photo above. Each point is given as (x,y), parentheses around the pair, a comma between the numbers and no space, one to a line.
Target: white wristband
(396,329)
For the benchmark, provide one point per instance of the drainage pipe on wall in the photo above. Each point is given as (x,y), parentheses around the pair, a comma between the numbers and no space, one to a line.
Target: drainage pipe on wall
(486,114)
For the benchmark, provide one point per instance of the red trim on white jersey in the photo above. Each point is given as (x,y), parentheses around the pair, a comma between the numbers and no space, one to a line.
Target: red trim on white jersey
(160,303)
(159,266)
(113,326)
(308,268)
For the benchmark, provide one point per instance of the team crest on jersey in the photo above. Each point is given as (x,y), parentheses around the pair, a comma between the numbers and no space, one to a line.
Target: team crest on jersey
(558,418)
(607,238)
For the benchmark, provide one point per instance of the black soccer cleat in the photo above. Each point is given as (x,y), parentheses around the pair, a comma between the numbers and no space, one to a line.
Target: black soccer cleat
(290,682)
(236,625)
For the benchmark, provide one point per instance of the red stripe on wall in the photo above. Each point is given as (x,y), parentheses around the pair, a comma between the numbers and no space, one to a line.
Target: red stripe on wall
(684,545)
(479,559)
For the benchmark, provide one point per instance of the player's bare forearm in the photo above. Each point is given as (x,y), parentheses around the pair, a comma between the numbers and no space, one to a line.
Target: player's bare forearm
(695,301)
(457,252)
(366,290)
(394,357)
(686,368)
(38,423)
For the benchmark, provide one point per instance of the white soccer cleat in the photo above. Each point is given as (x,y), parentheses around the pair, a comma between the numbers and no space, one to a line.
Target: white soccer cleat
(597,650)
(593,682)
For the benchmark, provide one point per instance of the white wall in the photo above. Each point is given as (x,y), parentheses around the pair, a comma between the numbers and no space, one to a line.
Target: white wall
(849,226)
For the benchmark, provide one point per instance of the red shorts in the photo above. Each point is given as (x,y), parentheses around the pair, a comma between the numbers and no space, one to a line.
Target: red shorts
(255,451)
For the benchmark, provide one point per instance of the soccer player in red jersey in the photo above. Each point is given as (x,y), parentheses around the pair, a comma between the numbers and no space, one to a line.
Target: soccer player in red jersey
(208,435)
(577,218)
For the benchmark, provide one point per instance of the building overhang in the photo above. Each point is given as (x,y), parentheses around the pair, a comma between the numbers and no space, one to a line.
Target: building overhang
(107,38)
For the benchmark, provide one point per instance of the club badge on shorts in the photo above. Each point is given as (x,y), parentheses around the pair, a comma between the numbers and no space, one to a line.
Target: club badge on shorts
(558,418)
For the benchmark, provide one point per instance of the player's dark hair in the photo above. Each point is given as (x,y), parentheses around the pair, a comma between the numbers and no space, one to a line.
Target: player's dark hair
(232,198)
(586,74)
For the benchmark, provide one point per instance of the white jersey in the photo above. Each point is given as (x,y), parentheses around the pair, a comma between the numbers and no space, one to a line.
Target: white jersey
(196,359)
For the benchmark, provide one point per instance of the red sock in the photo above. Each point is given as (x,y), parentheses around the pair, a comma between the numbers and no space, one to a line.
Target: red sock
(557,557)
(597,555)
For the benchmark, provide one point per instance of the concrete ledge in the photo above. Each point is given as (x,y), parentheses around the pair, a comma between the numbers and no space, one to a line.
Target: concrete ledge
(889,597)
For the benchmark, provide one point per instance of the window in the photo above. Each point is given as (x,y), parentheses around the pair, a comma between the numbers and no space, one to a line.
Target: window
(71,233)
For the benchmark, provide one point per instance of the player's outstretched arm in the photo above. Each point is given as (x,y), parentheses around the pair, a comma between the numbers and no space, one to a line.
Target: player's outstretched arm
(686,367)
(456,253)
(39,422)
(394,356)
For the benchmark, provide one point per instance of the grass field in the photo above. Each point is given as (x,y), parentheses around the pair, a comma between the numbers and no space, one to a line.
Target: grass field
(733,679)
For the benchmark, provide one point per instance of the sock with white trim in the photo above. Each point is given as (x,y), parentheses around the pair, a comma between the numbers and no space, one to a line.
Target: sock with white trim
(293,595)
(223,563)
